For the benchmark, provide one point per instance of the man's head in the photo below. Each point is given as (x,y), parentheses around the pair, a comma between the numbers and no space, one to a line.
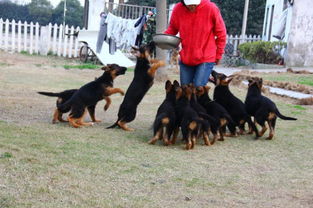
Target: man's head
(191,4)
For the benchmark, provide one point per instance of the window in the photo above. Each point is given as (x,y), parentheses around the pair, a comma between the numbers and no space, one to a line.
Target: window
(271,23)
(266,21)
(285,5)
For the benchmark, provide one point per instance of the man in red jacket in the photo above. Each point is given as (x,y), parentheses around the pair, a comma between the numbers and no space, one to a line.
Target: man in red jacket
(203,39)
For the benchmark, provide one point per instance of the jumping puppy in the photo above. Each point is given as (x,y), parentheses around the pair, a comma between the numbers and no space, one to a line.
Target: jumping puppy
(91,93)
(234,106)
(144,73)
(165,119)
(262,108)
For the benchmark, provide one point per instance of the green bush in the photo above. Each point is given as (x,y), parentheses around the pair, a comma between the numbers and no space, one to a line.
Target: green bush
(262,51)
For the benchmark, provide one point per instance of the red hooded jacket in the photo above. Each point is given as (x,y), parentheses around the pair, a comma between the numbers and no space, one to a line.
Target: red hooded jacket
(202,33)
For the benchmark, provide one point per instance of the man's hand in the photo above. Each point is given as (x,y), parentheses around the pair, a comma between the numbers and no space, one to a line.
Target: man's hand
(217,61)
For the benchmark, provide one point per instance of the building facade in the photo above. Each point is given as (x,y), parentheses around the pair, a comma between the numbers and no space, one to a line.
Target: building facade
(291,22)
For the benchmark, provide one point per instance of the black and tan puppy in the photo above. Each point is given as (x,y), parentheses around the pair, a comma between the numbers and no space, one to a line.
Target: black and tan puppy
(262,108)
(63,97)
(165,119)
(191,123)
(216,110)
(144,73)
(203,113)
(234,106)
(91,93)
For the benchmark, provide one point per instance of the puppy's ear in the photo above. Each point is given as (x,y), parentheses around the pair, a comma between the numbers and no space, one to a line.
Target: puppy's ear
(105,68)
(152,45)
(135,51)
(176,83)
(229,79)
(135,48)
(213,72)
(168,85)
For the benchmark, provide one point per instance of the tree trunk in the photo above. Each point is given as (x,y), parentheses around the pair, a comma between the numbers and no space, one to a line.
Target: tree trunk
(161,23)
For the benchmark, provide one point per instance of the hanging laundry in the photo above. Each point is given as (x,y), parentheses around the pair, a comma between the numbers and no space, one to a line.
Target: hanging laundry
(102,32)
(103,35)
(121,30)
(140,25)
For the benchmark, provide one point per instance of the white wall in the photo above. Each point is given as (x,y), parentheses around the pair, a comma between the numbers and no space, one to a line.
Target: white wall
(300,42)
(278,10)
(95,8)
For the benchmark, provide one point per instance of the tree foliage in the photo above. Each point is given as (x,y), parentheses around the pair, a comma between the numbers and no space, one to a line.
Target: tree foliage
(148,2)
(41,11)
(262,51)
(232,12)
(12,11)
(74,13)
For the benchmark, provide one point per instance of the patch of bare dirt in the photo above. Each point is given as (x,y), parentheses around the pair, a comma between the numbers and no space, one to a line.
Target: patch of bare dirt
(290,70)
(244,76)
(28,60)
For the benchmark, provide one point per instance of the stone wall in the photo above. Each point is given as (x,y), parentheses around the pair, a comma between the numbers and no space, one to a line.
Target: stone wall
(300,42)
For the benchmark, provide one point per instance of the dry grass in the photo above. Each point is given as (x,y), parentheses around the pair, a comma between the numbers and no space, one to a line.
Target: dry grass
(299,82)
(306,101)
(46,165)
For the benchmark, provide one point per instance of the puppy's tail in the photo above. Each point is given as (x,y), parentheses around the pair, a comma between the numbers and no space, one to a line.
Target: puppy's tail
(113,126)
(283,117)
(50,94)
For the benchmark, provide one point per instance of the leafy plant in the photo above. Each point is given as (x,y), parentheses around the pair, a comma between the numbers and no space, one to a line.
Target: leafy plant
(6,155)
(25,52)
(83,66)
(262,51)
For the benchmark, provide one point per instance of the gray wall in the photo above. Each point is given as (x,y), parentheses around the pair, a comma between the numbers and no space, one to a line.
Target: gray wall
(300,43)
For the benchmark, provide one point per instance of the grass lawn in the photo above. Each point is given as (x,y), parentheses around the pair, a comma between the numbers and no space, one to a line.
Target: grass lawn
(305,79)
(54,165)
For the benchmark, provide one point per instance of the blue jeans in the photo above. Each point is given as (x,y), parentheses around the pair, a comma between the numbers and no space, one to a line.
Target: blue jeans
(198,75)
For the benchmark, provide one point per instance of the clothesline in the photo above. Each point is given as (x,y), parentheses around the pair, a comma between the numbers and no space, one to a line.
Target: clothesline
(121,30)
